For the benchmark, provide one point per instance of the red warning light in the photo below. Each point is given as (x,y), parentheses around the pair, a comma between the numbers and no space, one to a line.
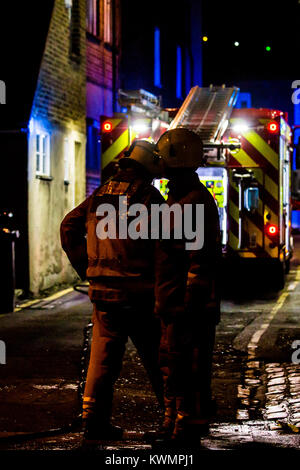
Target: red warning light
(272,230)
(107,126)
(273,127)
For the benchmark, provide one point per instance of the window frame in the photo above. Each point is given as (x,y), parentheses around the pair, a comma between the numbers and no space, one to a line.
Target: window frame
(42,154)
(107,22)
(93,24)
(66,160)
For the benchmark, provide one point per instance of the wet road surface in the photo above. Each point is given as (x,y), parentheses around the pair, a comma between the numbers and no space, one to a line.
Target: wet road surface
(256,375)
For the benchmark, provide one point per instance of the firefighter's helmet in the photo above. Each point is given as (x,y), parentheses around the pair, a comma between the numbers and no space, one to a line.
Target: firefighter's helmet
(181,148)
(144,152)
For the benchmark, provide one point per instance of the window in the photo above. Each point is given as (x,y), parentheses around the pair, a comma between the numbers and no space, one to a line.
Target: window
(42,152)
(157,78)
(251,198)
(107,21)
(66,161)
(92,17)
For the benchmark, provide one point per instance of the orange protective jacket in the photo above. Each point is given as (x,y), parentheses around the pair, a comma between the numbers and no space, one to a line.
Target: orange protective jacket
(116,268)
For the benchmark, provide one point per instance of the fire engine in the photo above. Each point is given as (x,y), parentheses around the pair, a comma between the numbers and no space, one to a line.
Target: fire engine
(248,172)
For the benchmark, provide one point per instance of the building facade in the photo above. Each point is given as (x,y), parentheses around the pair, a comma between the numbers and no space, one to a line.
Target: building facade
(59,75)
(43,135)
(56,143)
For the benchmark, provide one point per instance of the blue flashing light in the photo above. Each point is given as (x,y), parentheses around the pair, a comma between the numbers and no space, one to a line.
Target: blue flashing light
(297,113)
(243,100)
(124,110)
(188,74)
(179,73)
(157,78)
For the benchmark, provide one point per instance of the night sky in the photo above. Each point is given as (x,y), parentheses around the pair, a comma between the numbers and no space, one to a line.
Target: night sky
(255,25)
(267,75)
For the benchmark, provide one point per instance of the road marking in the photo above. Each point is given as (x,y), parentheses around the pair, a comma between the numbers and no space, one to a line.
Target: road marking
(253,343)
(292,286)
(55,296)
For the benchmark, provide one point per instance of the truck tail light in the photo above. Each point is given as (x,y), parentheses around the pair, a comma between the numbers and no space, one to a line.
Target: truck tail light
(107,126)
(272,230)
(273,127)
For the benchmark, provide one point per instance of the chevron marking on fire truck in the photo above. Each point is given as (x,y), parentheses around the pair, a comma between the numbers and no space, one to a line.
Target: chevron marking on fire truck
(116,141)
(261,145)
(271,187)
(115,149)
(244,159)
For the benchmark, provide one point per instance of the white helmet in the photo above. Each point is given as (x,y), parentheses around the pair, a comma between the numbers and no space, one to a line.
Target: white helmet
(145,153)
(181,148)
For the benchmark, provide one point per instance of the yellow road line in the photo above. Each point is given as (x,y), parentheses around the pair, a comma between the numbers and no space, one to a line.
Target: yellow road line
(253,343)
(55,296)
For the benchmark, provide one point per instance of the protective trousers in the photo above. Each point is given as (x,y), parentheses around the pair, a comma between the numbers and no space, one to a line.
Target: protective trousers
(112,325)
(186,352)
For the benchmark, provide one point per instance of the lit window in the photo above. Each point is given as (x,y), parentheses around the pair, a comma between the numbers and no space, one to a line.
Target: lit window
(179,73)
(66,161)
(92,17)
(42,152)
(107,21)
(157,78)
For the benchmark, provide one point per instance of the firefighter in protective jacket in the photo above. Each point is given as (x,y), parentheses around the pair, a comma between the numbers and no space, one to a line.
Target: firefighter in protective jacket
(187,295)
(120,271)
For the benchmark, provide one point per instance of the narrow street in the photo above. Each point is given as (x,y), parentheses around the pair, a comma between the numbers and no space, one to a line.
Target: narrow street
(255,382)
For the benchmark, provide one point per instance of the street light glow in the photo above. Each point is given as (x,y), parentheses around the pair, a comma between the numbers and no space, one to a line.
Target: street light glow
(236,43)
(205,38)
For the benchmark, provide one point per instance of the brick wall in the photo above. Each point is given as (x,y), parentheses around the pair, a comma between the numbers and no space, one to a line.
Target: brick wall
(61,92)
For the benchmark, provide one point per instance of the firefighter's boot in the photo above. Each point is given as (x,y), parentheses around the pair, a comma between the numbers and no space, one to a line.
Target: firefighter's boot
(166,430)
(187,432)
(96,423)
(94,430)
(189,428)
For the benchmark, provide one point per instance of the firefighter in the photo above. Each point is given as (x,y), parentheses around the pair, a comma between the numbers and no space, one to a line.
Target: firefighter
(187,297)
(120,272)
